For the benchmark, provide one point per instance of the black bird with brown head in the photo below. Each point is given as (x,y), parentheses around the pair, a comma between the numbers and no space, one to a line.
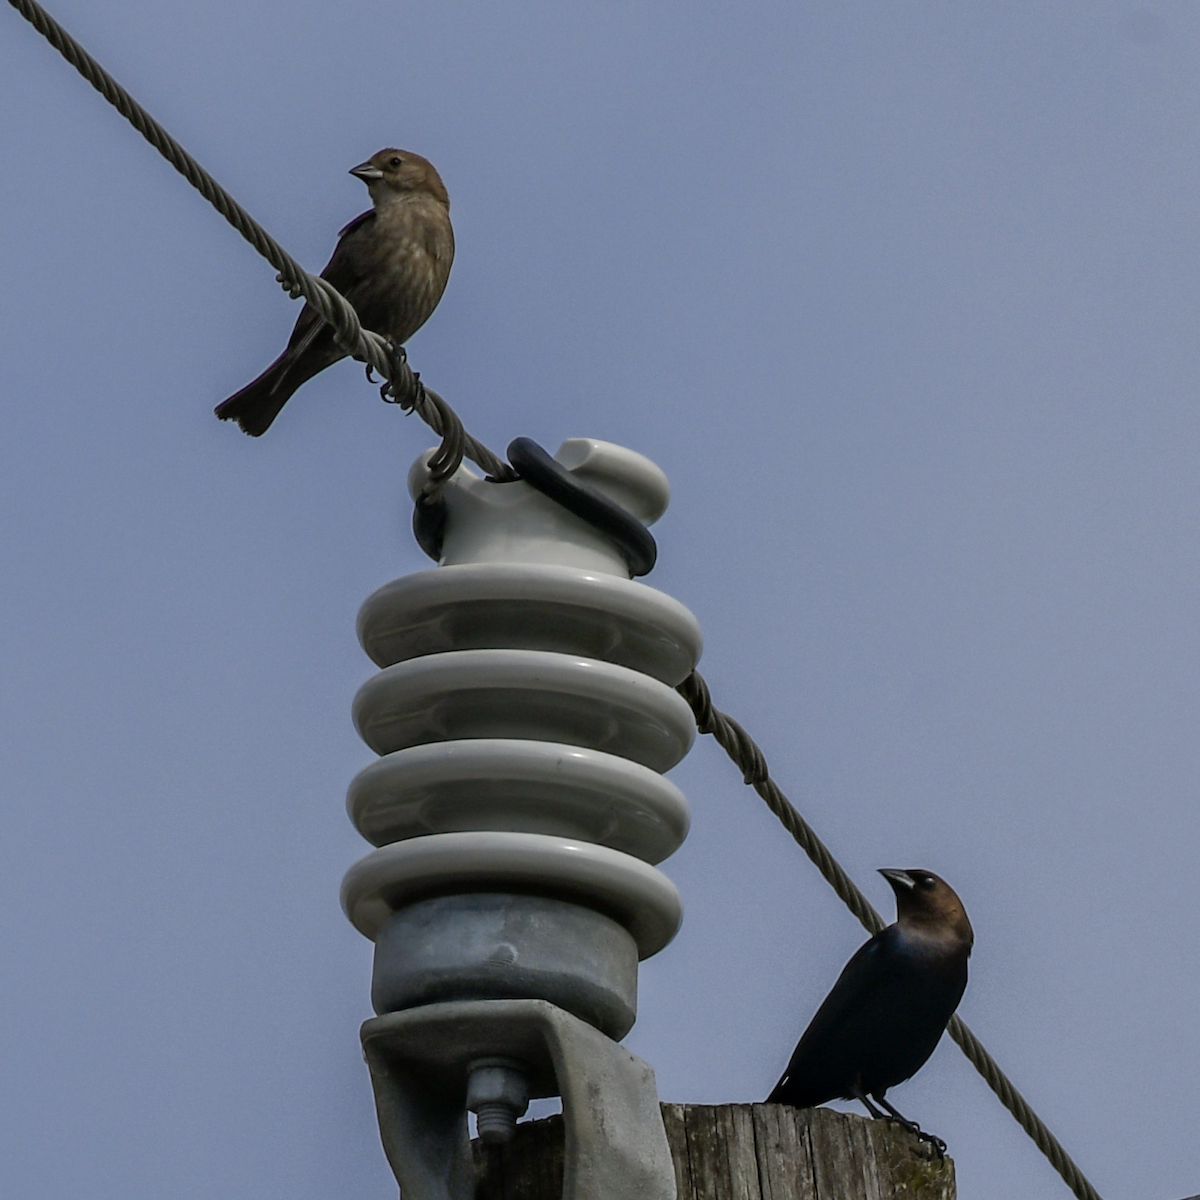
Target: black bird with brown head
(890,1005)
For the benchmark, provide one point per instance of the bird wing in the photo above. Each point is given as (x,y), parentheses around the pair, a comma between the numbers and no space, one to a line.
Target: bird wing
(312,346)
(346,270)
(816,1065)
(352,225)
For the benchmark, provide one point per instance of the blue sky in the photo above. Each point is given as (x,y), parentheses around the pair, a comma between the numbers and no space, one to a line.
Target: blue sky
(903,300)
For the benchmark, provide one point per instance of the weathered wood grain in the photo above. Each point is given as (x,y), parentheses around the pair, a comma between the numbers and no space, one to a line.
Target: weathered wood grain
(784,1151)
(745,1152)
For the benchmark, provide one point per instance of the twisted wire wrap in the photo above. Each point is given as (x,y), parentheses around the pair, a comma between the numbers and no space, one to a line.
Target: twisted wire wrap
(377,352)
(405,389)
(749,759)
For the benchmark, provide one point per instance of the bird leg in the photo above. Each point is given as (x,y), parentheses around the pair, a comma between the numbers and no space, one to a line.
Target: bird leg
(894,1114)
(861,1097)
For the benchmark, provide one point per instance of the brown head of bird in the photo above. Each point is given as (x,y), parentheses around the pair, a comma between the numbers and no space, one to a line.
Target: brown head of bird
(393,174)
(928,909)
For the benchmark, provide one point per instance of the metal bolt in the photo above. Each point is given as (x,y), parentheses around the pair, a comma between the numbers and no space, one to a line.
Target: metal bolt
(497,1093)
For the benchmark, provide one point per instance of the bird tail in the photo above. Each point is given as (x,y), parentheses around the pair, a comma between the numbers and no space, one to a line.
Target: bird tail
(259,402)
(797,1092)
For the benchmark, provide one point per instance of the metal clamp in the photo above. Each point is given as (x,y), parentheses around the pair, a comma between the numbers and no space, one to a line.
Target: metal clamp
(422,1058)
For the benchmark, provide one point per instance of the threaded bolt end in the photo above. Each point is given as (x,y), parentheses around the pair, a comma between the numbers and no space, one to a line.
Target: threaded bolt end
(496,1122)
(497,1093)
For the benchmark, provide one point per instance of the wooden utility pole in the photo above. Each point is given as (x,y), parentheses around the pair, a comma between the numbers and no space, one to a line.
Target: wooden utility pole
(745,1152)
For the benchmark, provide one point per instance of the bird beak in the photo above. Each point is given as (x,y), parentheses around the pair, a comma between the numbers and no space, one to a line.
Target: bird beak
(898,879)
(368,172)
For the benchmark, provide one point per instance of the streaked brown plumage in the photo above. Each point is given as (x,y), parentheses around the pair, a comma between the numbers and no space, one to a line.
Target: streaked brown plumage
(391,263)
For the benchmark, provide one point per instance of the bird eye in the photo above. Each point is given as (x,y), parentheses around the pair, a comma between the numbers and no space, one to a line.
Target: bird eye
(395,161)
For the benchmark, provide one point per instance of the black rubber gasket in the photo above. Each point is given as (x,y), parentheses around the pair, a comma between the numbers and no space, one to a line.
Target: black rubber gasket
(634,541)
(552,479)
(429,524)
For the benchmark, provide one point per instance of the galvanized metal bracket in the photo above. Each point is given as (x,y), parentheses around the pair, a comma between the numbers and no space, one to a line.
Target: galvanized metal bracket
(615,1145)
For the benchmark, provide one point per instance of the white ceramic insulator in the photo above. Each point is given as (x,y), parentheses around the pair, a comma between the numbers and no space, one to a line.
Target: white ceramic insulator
(525,694)
(526,709)
(576,610)
(642,899)
(511,522)
(501,784)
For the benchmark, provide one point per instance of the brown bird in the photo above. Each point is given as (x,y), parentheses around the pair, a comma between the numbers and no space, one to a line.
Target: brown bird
(391,263)
(890,1005)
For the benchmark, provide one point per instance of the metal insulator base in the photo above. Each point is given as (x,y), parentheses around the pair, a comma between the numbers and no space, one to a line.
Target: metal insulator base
(483,945)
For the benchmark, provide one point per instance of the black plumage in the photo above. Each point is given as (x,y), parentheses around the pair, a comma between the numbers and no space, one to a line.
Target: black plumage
(890,1005)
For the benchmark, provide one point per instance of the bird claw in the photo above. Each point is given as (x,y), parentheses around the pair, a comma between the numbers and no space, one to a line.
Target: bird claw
(939,1147)
(918,1133)
(931,1139)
